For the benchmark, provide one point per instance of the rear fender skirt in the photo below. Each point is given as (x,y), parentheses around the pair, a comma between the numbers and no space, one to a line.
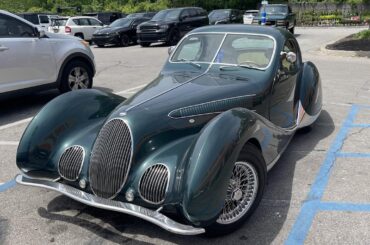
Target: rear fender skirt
(310,95)
(73,118)
(212,158)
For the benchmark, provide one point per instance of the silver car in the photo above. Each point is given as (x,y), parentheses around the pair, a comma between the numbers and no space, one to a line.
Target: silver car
(33,59)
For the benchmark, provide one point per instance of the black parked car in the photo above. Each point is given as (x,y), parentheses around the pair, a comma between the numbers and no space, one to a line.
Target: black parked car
(171,25)
(121,32)
(146,15)
(225,16)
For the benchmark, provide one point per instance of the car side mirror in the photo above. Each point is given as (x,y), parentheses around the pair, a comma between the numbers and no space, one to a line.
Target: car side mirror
(171,49)
(291,57)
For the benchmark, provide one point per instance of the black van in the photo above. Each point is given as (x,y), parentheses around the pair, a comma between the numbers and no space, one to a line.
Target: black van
(171,25)
(106,17)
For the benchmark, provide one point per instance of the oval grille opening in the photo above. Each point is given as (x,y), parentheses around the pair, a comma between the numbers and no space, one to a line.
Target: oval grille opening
(111,159)
(70,163)
(153,184)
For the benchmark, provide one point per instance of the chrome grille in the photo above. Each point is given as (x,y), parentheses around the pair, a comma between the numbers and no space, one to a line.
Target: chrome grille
(153,184)
(111,159)
(70,163)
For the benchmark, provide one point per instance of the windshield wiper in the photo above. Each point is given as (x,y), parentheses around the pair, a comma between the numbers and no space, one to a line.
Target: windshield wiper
(191,63)
(225,67)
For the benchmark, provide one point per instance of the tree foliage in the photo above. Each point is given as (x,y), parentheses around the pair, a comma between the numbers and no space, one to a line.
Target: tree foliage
(130,6)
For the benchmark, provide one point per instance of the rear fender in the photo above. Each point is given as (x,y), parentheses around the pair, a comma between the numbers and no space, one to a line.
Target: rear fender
(70,119)
(310,95)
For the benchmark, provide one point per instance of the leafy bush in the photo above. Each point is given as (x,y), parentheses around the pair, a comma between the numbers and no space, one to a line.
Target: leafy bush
(363,34)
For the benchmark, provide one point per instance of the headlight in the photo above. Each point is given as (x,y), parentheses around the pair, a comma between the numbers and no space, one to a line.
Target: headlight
(164,27)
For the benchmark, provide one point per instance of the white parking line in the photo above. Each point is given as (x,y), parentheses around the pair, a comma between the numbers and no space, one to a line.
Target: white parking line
(9,142)
(13,124)
(9,125)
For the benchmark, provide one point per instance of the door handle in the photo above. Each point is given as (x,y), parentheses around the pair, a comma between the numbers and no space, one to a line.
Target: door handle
(2,48)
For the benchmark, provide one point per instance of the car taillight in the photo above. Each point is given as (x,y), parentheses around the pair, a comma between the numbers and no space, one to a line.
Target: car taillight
(68,29)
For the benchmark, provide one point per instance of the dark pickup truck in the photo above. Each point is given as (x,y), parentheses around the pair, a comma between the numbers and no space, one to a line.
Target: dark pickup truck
(279,15)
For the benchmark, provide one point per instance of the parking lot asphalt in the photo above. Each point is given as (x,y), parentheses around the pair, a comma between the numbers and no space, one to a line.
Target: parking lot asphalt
(317,193)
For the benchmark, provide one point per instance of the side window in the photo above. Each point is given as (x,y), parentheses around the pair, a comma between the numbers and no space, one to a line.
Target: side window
(191,50)
(193,13)
(94,22)
(76,21)
(44,19)
(84,22)
(285,64)
(10,27)
(185,15)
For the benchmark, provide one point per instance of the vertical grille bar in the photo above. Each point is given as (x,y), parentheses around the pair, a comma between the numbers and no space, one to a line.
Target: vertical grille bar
(70,163)
(153,184)
(111,159)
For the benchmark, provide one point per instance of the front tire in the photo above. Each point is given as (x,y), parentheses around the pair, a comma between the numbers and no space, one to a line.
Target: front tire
(124,40)
(244,193)
(76,75)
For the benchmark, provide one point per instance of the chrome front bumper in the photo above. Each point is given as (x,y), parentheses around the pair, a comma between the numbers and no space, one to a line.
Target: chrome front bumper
(154,217)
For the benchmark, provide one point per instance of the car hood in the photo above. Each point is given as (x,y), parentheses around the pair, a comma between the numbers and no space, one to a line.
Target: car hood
(157,23)
(107,30)
(60,36)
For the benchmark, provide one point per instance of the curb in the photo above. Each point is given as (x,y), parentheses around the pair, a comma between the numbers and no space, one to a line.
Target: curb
(343,53)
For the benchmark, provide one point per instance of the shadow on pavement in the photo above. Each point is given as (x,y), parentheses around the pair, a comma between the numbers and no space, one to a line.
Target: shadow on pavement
(262,228)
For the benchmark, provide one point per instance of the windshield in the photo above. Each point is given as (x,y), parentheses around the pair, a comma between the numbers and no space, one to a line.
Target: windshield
(275,9)
(58,22)
(219,14)
(236,49)
(124,22)
(172,14)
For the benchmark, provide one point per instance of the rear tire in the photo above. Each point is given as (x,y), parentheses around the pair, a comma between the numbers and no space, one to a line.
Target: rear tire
(145,45)
(292,30)
(245,192)
(76,75)
(124,40)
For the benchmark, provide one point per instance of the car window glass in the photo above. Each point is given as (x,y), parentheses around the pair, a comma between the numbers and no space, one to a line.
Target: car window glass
(83,22)
(253,50)
(94,22)
(285,64)
(44,19)
(185,14)
(193,13)
(10,27)
(198,47)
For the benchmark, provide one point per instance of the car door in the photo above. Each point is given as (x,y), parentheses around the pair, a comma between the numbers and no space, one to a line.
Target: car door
(283,107)
(185,24)
(94,25)
(25,59)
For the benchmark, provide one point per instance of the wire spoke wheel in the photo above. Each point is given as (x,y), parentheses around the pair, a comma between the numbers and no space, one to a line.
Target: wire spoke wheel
(78,78)
(241,193)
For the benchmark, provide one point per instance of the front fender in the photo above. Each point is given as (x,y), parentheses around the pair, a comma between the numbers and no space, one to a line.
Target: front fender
(211,162)
(67,120)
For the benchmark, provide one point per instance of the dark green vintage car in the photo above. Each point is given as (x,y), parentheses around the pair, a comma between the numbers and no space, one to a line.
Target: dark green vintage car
(191,150)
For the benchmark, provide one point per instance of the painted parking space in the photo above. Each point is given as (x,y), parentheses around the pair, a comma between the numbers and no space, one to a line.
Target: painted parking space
(314,202)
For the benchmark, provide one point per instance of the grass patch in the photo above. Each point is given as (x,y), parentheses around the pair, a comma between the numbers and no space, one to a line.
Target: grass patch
(363,35)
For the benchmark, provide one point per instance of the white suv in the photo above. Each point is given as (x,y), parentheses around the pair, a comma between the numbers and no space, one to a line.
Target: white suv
(31,59)
(79,26)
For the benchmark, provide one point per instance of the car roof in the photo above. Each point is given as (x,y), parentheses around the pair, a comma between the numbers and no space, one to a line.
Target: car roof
(277,33)
(16,17)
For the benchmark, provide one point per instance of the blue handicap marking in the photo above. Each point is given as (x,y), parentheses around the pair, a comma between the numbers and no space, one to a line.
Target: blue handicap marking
(313,202)
(7,185)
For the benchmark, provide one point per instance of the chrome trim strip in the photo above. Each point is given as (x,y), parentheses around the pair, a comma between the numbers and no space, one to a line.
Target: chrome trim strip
(82,162)
(154,217)
(168,183)
(212,101)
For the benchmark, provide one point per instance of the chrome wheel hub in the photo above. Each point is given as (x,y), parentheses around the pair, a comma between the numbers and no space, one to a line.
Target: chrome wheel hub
(241,193)
(78,78)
